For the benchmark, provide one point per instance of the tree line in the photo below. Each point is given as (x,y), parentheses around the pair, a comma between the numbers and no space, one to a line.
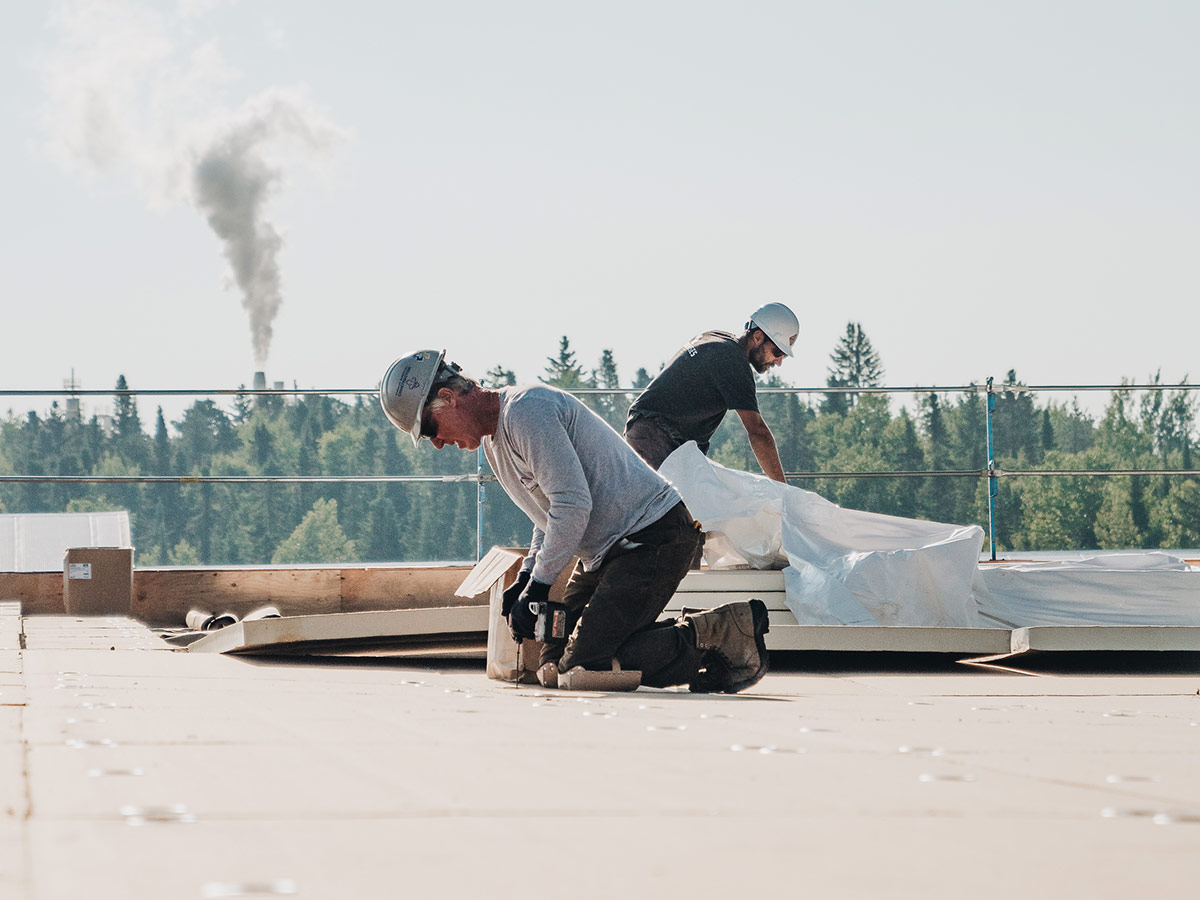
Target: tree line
(839,431)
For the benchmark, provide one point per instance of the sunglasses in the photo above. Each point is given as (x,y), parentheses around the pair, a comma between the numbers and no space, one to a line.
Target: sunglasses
(774,350)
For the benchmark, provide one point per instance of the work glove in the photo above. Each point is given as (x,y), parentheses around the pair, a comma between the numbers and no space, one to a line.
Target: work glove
(523,618)
(514,591)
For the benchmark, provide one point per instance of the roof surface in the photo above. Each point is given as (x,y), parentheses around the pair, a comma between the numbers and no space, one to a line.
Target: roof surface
(131,770)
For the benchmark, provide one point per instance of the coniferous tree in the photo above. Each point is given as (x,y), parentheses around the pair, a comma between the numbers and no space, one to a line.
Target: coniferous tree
(396,463)
(126,414)
(206,521)
(789,420)
(165,495)
(835,403)
(131,443)
(242,406)
(268,511)
(312,434)
(938,494)
(309,463)
(902,453)
(31,464)
(854,362)
(563,371)
(966,427)
(382,542)
(611,407)
(1047,431)
(1015,427)
(498,376)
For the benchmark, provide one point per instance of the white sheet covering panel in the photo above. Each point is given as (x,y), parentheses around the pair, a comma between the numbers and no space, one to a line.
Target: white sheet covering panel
(845,567)
(842,567)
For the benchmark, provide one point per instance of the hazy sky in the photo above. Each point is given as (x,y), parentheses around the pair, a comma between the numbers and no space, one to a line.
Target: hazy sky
(983,185)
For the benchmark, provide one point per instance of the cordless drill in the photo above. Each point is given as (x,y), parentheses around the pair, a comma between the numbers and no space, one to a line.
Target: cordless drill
(550,628)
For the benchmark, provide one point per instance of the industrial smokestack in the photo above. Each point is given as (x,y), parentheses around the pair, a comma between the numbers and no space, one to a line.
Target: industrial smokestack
(260,381)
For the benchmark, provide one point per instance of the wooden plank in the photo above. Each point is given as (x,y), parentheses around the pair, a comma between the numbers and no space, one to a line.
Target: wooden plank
(164,596)
(40,593)
(402,587)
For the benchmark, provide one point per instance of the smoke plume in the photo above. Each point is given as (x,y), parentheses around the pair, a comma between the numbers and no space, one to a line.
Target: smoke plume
(130,92)
(232,181)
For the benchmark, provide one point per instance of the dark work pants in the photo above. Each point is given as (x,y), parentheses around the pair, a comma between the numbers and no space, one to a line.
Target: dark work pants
(612,611)
(653,444)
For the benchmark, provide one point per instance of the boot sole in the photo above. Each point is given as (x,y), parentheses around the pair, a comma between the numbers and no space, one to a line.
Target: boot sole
(762,624)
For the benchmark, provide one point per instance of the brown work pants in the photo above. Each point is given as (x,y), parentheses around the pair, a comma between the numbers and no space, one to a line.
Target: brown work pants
(612,610)
(652,442)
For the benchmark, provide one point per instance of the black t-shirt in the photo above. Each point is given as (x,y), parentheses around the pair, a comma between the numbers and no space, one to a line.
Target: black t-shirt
(709,376)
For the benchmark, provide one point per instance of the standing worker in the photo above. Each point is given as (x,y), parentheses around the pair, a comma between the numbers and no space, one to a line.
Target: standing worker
(588,495)
(714,373)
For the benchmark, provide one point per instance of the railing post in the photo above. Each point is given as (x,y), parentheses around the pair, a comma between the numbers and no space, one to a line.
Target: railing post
(991,468)
(479,503)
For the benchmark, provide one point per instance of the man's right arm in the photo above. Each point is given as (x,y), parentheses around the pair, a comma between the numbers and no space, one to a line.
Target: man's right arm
(762,442)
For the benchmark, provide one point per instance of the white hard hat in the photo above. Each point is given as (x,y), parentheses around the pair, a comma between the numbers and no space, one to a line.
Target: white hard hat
(778,323)
(405,388)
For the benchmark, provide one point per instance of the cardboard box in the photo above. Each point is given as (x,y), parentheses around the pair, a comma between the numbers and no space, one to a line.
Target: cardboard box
(98,581)
(493,573)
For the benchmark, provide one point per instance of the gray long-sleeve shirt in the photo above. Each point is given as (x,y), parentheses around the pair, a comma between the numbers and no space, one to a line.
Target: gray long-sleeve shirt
(583,487)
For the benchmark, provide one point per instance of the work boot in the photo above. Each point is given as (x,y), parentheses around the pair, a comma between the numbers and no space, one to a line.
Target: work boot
(732,636)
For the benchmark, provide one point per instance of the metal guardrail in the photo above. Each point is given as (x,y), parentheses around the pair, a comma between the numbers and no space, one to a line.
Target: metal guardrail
(989,387)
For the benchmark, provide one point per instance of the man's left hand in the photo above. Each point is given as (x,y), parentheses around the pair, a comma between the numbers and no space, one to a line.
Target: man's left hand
(523,618)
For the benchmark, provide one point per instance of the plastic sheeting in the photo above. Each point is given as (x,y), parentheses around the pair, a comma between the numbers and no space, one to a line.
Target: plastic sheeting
(841,567)
(846,567)
(1151,588)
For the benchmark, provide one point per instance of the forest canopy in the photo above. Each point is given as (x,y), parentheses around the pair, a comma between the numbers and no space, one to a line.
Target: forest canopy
(838,431)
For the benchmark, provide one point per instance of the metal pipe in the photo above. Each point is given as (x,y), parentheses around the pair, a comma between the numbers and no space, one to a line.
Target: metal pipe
(479,503)
(238,479)
(991,467)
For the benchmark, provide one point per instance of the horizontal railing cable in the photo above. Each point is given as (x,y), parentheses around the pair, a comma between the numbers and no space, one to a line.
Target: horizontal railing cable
(1004,388)
(472,477)
(241,479)
(986,473)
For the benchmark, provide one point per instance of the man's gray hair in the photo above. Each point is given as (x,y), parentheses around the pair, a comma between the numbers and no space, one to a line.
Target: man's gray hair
(449,376)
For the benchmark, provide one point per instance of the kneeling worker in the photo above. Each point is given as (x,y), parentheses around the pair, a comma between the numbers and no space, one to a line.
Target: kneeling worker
(588,495)
(712,374)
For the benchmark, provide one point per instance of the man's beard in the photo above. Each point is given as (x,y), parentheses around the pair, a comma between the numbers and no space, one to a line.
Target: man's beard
(759,361)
